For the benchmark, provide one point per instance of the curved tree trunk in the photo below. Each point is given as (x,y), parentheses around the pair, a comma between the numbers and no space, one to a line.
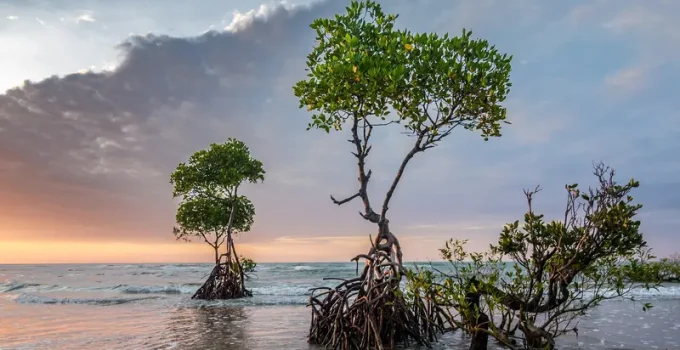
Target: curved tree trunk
(370,311)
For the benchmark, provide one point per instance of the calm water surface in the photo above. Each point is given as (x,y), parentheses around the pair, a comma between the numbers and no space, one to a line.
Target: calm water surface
(149,307)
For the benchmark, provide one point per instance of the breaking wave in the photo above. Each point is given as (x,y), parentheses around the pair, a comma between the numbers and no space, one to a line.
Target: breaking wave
(40,299)
(188,288)
(290,290)
(275,284)
(15,286)
(303,268)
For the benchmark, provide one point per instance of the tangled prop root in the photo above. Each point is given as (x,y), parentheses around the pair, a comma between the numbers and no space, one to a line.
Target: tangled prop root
(371,311)
(225,282)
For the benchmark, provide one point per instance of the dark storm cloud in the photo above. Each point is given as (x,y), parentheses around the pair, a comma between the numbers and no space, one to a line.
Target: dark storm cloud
(83,121)
(124,130)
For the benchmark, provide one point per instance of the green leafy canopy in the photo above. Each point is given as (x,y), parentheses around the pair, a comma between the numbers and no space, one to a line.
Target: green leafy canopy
(197,215)
(208,187)
(217,171)
(363,67)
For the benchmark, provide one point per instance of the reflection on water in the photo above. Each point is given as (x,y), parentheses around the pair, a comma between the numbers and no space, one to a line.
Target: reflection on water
(210,327)
(180,323)
(207,327)
(204,327)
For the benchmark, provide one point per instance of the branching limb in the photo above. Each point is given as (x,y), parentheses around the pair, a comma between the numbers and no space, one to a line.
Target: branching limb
(348,199)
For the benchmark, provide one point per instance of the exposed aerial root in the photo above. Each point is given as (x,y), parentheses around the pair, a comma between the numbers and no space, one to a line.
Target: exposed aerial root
(226,281)
(371,311)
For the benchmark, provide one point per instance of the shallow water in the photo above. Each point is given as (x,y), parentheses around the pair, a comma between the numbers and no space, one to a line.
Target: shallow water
(149,307)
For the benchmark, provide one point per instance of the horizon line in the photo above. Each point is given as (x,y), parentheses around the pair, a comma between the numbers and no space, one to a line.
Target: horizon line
(201,263)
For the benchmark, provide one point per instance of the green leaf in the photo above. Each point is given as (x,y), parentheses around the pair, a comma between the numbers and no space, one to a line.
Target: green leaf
(207,185)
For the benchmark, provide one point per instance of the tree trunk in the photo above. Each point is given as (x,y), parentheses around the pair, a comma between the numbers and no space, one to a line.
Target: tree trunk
(478,322)
(226,281)
(536,338)
(480,338)
(238,264)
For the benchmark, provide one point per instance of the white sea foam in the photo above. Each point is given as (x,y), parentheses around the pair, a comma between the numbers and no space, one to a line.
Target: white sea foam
(282,290)
(668,291)
(281,282)
(15,286)
(189,288)
(26,298)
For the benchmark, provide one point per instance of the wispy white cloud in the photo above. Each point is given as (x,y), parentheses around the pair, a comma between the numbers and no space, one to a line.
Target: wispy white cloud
(628,79)
(310,240)
(42,23)
(242,20)
(12,18)
(652,30)
(86,17)
(453,227)
(580,13)
(633,17)
(535,122)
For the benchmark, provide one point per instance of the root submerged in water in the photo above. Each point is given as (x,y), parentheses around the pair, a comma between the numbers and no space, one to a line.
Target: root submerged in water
(371,311)
(226,281)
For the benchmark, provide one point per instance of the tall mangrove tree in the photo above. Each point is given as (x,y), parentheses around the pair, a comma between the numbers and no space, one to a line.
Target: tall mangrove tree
(365,74)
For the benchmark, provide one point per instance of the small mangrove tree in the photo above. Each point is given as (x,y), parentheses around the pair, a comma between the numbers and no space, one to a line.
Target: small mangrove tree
(534,284)
(211,209)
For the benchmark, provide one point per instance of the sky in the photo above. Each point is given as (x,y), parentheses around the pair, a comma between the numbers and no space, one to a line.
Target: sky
(100,100)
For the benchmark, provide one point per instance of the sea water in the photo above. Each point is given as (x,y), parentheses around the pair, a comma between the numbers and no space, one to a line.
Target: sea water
(149,306)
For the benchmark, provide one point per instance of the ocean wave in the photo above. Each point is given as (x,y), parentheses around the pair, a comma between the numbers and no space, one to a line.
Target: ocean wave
(303,268)
(188,288)
(143,273)
(317,268)
(15,286)
(41,299)
(256,300)
(285,290)
(664,292)
(669,291)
